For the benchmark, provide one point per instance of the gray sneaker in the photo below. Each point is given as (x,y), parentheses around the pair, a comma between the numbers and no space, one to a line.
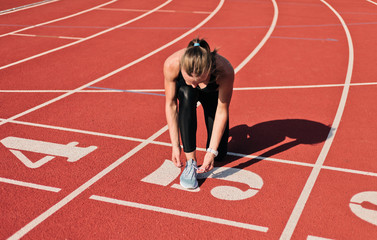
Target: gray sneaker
(188,176)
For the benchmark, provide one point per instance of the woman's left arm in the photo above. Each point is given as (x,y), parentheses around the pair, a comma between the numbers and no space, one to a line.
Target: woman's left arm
(222,113)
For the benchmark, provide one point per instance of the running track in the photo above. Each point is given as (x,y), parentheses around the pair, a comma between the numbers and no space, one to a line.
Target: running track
(85,150)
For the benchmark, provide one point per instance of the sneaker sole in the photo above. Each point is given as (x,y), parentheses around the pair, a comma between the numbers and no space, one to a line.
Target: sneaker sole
(189,187)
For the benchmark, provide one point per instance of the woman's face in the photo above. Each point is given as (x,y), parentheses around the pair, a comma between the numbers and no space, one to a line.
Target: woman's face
(194,80)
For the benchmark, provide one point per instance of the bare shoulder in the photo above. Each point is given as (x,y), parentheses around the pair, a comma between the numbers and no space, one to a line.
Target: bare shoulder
(171,65)
(225,68)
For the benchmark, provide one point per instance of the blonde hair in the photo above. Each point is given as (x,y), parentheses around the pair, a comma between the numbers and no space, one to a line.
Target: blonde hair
(198,58)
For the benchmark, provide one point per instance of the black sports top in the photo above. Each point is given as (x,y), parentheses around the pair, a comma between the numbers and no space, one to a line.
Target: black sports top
(212,86)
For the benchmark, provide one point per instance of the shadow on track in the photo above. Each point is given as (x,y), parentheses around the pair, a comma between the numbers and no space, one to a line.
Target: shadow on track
(248,140)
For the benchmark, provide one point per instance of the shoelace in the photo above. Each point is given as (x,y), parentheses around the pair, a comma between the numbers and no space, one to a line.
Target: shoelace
(189,171)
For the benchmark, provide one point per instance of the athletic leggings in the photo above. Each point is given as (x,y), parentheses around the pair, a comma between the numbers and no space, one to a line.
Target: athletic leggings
(187,118)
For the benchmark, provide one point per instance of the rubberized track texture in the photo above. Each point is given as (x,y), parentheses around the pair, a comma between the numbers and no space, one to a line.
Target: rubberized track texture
(84,146)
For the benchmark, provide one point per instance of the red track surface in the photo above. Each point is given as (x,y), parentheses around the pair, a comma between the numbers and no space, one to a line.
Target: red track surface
(72,93)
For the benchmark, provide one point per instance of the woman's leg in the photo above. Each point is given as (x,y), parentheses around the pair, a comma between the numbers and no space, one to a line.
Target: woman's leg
(188,98)
(209,102)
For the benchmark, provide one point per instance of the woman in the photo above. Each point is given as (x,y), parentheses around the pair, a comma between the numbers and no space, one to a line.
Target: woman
(196,74)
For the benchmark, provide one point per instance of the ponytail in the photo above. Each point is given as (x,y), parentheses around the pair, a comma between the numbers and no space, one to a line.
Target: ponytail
(198,58)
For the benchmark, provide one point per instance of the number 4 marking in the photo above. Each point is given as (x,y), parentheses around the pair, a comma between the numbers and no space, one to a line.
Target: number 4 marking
(52,150)
(168,172)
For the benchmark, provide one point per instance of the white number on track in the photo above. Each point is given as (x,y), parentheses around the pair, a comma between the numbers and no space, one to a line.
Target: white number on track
(167,173)
(369,215)
(73,153)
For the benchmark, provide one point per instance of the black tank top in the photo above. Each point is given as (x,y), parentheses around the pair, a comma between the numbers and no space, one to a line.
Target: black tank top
(212,86)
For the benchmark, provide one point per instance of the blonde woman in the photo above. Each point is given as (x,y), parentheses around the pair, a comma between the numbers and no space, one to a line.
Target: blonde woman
(197,74)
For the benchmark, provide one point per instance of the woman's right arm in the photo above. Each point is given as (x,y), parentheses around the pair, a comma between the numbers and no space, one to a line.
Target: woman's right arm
(171,70)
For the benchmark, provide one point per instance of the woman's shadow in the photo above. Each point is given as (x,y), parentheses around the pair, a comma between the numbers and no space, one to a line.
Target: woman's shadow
(247,140)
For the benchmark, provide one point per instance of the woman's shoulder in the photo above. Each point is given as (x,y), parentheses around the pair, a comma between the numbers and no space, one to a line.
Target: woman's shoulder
(224,67)
(223,64)
(173,61)
(172,65)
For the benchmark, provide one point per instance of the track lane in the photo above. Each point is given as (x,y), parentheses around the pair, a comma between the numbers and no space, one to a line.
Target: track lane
(235,15)
(82,40)
(294,56)
(48,12)
(353,145)
(71,196)
(356,139)
(57,19)
(300,204)
(22,5)
(167,227)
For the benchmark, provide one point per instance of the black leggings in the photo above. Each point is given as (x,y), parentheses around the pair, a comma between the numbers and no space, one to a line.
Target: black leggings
(188,98)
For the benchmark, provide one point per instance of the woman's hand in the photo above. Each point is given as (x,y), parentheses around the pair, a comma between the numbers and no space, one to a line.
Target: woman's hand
(208,162)
(176,156)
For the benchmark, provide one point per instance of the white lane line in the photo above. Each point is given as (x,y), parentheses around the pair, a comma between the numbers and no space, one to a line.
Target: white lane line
(78,131)
(162,90)
(46,36)
(241,155)
(264,40)
(111,73)
(63,37)
(304,86)
(180,213)
(371,174)
(29,185)
(142,10)
(86,38)
(35,222)
(123,67)
(131,10)
(299,207)
(32,5)
(375,3)
(303,164)
(310,237)
(58,19)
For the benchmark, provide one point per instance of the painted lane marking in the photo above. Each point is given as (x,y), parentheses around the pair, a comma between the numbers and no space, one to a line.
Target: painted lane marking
(71,196)
(264,40)
(142,10)
(362,210)
(304,86)
(308,39)
(111,73)
(80,131)
(86,38)
(130,91)
(284,161)
(112,90)
(204,28)
(300,204)
(375,3)
(56,20)
(70,151)
(32,5)
(29,185)
(45,36)
(358,13)
(180,213)
(35,222)
(310,237)
(168,172)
